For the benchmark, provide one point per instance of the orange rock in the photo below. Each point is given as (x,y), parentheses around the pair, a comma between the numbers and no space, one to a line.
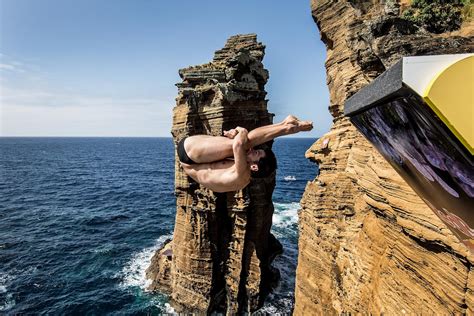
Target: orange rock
(368,243)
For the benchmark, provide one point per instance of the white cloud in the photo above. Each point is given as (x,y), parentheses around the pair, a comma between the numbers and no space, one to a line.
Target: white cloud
(30,107)
(45,113)
(146,119)
(7,67)
(84,121)
(39,97)
(8,64)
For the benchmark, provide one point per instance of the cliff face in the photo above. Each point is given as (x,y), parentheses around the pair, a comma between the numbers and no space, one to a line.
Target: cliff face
(220,255)
(367,242)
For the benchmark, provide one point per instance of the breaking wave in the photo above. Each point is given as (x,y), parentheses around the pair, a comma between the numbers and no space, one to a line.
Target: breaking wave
(286,214)
(134,272)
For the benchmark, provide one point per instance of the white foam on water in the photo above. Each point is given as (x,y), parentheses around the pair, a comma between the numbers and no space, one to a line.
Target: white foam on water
(4,279)
(134,272)
(169,310)
(9,302)
(286,214)
(104,249)
(283,306)
(285,219)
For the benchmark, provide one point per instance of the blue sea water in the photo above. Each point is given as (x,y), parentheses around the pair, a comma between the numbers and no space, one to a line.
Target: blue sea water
(80,219)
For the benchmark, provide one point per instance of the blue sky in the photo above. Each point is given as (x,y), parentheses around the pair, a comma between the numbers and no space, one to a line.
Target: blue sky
(108,67)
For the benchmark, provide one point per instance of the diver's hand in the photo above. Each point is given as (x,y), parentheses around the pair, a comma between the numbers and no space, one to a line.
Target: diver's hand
(242,137)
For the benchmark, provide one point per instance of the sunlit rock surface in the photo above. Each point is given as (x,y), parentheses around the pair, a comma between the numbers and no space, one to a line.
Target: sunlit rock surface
(220,255)
(367,242)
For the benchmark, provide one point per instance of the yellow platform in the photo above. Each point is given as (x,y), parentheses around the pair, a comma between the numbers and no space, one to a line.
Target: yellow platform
(450,94)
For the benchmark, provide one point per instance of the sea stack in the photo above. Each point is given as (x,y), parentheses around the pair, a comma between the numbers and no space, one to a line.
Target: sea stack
(221,253)
(368,243)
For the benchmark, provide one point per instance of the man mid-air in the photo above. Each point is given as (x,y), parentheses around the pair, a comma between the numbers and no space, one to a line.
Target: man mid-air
(208,159)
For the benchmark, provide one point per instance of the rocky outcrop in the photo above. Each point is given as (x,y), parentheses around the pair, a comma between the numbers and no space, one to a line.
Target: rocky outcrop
(221,253)
(367,242)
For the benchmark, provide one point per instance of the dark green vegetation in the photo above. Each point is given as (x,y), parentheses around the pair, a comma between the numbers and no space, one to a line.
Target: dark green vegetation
(439,16)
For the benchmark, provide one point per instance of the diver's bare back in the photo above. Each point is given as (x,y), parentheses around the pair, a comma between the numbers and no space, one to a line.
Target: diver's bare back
(219,176)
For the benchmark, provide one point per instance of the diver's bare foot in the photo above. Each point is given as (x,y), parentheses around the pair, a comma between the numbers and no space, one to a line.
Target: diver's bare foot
(296,125)
(231,133)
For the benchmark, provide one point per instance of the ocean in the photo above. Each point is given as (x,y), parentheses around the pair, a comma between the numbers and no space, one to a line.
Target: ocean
(80,219)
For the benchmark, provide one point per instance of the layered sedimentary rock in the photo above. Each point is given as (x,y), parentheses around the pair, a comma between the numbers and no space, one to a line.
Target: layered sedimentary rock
(367,242)
(221,252)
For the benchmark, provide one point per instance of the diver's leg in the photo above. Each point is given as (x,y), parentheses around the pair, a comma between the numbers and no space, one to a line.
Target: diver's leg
(290,125)
(206,148)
